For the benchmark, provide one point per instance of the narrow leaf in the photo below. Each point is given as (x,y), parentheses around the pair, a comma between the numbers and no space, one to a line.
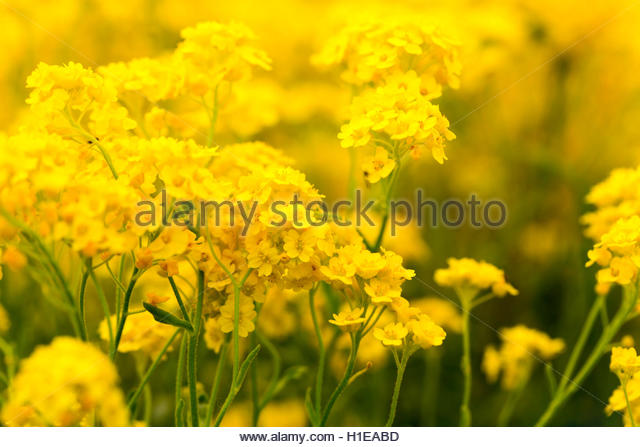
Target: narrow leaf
(164,317)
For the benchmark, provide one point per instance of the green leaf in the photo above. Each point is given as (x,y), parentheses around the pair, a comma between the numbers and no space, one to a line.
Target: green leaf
(164,317)
(244,367)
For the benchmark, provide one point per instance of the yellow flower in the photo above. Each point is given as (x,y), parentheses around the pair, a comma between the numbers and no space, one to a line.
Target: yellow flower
(247,316)
(264,258)
(444,313)
(627,341)
(141,334)
(65,384)
(404,310)
(299,245)
(378,166)
(13,258)
(213,335)
(381,292)
(466,273)
(520,348)
(355,133)
(425,333)
(348,320)
(625,362)
(618,401)
(392,334)
(212,52)
(339,270)
(491,363)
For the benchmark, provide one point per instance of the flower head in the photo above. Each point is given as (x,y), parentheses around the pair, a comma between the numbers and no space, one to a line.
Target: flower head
(349,320)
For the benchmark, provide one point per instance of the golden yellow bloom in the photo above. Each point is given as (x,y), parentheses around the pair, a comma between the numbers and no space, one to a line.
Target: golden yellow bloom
(213,335)
(520,349)
(378,166)
(617,253)
(348,320)
(392,334)
(141,334)
(466,273)
(213,52)
(247,316)
(615,198)
(425,333)
(444,313)
(627,341)
(372,48)
(66,383)
(13,258)
(625,362)
(618,401)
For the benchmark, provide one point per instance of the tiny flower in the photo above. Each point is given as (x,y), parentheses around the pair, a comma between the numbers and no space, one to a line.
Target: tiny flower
(378,166)
(348,320)
(392,334)
(625,362)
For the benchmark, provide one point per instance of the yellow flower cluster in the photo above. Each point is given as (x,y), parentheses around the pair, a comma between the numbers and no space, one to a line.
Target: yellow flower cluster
(625,363)
(371,50)
(412,328)
(67,383)
(141,334)
(469,275)
(617,197)
(516,357)
(618,401)
(444,313)
(76,102)
(400,114)
(104,148)
(617,254)
(399,66)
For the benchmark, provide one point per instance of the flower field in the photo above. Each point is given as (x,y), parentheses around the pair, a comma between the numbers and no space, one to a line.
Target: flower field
(355,213)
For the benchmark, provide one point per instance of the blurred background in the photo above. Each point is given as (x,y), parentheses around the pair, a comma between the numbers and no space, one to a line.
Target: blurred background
(549,103)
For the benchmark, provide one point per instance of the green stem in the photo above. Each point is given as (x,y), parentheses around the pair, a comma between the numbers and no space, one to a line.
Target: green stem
(431,383)
(582,339)
(236,332)
(179,402)
(465,412)
(626,398)
(275,374)
(151,369)
(510,404)
(255,404)
(216,384)
(81,298)
(396,389)
(76,318)
(601,346)
(321,350)
(355,342)
(192,352)
(104,304)
(125,309)
(120,290)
